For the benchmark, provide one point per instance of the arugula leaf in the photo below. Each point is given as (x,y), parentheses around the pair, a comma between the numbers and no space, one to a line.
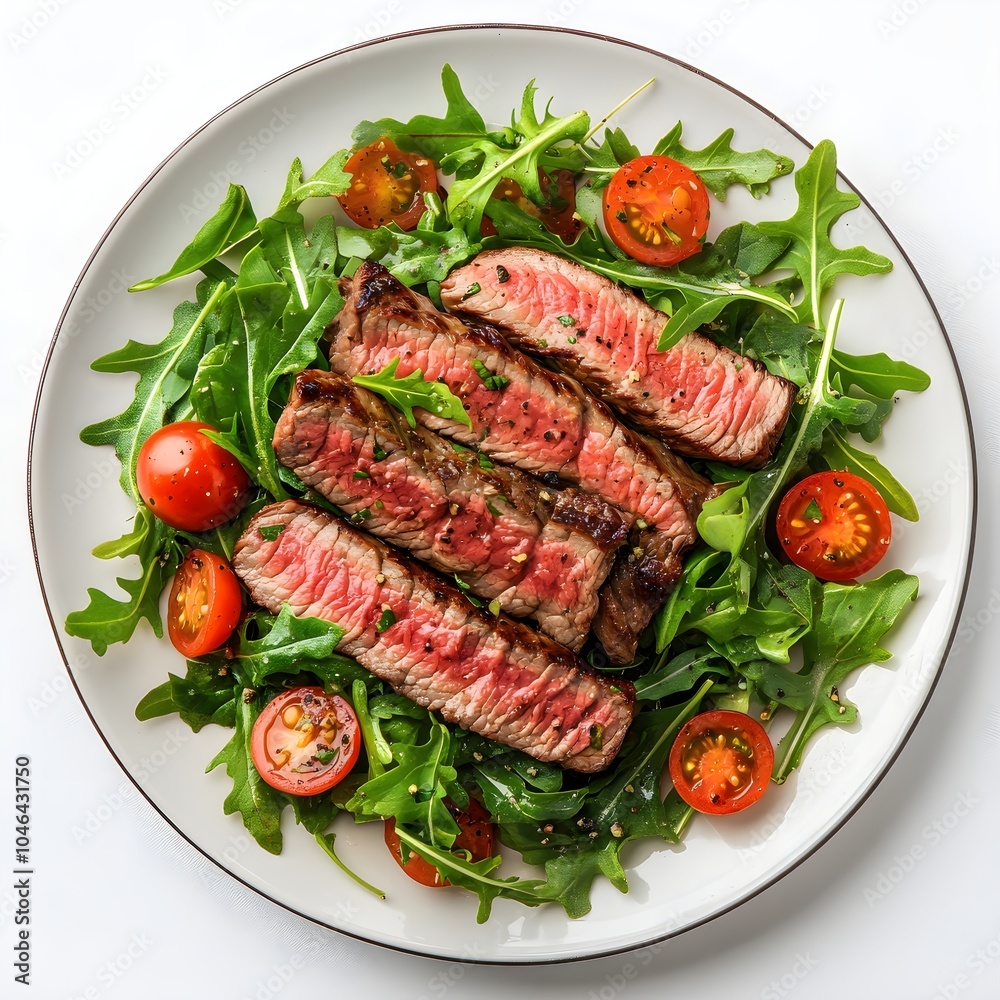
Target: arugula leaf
(838,453)
(329,181)
(256,801)
(290,645)
(106,619)
(850,622)
(233,221)
(204,695)
(165,373)
(476,876)
(435,137)
(423,255)
(412,391)
(413,791)
(877,374)
(812,255)
(720,166)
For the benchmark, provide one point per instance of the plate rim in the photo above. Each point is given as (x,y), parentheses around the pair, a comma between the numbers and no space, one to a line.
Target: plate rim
(946,649)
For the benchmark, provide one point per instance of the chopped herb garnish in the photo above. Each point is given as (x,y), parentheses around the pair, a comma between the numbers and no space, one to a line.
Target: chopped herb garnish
(484,463)
(494,607)
(492,509)
(360,515)
(812,512)
(325,756)
(503,275)
(571,340)
(270,532)
(567,320)
(387,620)
(472,290)
(490,379)
(378,452)
(360,474)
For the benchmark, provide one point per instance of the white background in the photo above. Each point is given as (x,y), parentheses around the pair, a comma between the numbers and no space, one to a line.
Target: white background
(901,903)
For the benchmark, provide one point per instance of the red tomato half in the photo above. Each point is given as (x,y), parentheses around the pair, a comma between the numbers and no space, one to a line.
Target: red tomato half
(387,185)
(187,480)
(305,741)
(656,210)
(721,762)
(475,836)
(835,525)
(204,605)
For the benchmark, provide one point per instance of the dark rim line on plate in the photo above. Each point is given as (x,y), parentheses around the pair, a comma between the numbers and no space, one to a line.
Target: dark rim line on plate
(946,649)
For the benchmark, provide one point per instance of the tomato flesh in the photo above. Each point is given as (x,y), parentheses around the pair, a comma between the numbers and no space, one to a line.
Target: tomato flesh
(721,762)
(474,840)
(835,525)
(656,210)
(305,741)
(387,185)
(558,215)
(204,605)
(187,480)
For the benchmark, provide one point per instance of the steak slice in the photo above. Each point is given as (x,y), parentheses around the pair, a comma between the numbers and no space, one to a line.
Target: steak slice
(541,553)
(491,675)
(704,400)
(539,421)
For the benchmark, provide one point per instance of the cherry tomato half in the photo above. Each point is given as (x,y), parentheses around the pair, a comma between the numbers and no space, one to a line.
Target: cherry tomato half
(721,762)
(187,480)
(204,605)
(834,524)
(387,185)
(305,741)
(656,210)
(475,836)
(558,216)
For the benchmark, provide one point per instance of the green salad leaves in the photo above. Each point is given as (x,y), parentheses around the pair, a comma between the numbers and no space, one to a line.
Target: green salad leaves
(742,629)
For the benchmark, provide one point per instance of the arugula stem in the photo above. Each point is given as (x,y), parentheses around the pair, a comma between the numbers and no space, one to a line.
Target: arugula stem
(325,840)
(817,391)
(616,109)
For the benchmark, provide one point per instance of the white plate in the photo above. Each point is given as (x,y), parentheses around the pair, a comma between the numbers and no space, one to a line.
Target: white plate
(76,503)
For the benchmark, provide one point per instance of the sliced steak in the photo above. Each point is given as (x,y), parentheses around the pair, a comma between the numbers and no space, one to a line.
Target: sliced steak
(492,675)
(704,400)
(540,552)
(539,421)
